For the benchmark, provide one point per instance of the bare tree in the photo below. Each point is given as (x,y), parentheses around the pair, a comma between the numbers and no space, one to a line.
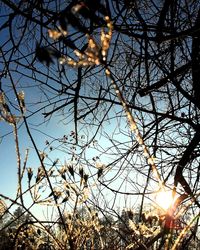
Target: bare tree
(124,76)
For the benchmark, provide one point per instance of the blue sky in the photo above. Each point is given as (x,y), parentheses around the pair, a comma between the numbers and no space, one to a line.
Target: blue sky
(54,129)
(37,96)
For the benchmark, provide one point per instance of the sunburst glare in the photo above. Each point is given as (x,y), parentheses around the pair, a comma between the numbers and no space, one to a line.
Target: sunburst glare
(164,199)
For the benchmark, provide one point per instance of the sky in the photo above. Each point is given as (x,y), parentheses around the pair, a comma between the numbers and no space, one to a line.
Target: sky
(8,159)
(38,95)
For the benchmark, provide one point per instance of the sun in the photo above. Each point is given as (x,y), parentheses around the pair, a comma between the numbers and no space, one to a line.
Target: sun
(164,199)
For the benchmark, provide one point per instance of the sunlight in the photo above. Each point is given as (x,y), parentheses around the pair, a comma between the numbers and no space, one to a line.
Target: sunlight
(164,199)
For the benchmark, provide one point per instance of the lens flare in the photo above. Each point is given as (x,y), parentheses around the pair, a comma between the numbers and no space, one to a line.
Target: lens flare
(164,199)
